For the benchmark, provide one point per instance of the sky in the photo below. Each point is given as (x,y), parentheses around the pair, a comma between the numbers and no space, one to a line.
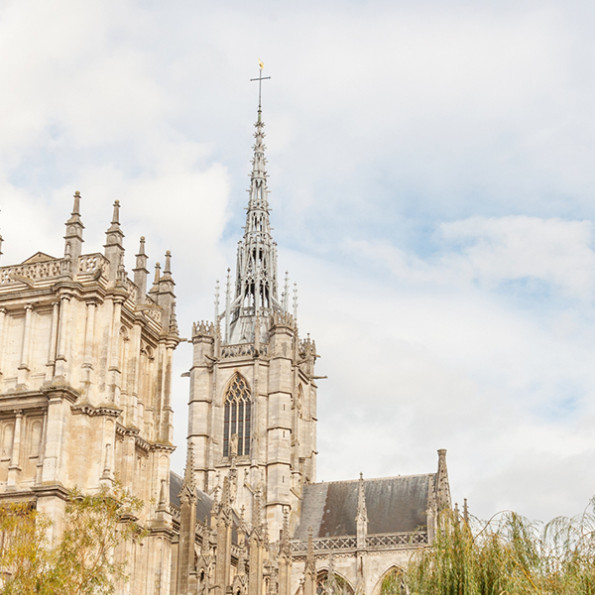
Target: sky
(432,195)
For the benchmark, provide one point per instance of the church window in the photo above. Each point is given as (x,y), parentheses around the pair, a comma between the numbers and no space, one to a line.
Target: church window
(236,421)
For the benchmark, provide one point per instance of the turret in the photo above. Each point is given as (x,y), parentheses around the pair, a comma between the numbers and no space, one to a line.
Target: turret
(140,272)
(114,247)
(163,292)
(166,297)
(73,239)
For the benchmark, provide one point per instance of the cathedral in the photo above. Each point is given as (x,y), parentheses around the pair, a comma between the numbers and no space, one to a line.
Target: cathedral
(86,353)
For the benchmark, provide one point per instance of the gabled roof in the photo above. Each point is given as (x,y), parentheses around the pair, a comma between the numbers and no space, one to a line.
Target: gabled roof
(394,505)
(38,257)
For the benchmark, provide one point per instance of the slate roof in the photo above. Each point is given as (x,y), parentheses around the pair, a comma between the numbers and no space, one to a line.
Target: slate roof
(204,503)
(394,505)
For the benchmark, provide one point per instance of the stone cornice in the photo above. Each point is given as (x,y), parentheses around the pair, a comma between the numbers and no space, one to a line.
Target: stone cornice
(107,410)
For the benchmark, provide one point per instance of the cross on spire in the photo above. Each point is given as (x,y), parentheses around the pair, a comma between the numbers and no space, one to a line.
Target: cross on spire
(260,79)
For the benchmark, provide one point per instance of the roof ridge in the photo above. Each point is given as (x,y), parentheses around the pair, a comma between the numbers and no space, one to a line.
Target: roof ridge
(372,478)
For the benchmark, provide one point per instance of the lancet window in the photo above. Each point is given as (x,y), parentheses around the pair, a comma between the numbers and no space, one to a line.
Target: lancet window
(236,422)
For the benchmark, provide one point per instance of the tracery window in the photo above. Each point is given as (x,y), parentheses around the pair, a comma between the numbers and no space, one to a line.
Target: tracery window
(236,419)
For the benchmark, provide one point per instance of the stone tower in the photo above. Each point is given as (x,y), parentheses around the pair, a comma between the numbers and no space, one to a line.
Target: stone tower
(85,367)
(252,413)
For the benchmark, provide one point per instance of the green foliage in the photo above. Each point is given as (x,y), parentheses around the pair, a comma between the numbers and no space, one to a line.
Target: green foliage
(393,583)
(507,556)
(85,561)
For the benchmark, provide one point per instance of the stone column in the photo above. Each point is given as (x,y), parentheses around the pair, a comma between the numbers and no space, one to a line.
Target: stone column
(2,317)
(114,356)
(14,467)
(23,369)
(61,360)
(88,348)
(39,470)
(52,345)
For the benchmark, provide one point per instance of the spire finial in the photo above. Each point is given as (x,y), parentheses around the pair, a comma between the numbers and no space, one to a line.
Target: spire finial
(116,214)
(217,294)
(286,293)
(141,247)
(295,301)
(76,207)
(157,278)
(167,267)
(442,485)
(189,471)
(74,233)
(260,79)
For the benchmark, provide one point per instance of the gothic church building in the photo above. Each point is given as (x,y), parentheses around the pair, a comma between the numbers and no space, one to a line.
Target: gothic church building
(85,398)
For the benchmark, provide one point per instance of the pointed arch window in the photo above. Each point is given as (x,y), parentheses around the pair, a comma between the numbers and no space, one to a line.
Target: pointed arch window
(237,416)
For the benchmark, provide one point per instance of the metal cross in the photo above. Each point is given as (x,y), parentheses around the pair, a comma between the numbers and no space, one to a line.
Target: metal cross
(260,79)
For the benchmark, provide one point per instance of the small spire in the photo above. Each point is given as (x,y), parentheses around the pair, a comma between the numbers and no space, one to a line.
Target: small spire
(361,518)
(173,321)
(257,511)
(114,247)
(286,292)
(217,293)
(155,287)
(310,561)
(140,271)
(362,512)
(76,207)
(116,213)
(442,485)
(285,542)
(227,304)
(189,470)
(465,511)
(74,233)
(295,301)
(167,268)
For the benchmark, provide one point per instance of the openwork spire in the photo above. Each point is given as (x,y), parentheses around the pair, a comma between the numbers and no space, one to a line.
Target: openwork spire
(255,297)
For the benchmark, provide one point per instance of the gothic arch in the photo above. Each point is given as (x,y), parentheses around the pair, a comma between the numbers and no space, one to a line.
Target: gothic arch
(237,416)
(391,582)
(341,584)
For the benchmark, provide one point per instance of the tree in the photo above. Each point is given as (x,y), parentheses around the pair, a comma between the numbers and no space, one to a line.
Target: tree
(507,555)
(85,561)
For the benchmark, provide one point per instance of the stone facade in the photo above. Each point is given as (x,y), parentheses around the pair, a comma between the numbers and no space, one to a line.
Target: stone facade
(85,381)
(85,365)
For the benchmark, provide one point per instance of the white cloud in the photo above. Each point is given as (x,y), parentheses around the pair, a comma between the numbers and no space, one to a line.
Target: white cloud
(431,188)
